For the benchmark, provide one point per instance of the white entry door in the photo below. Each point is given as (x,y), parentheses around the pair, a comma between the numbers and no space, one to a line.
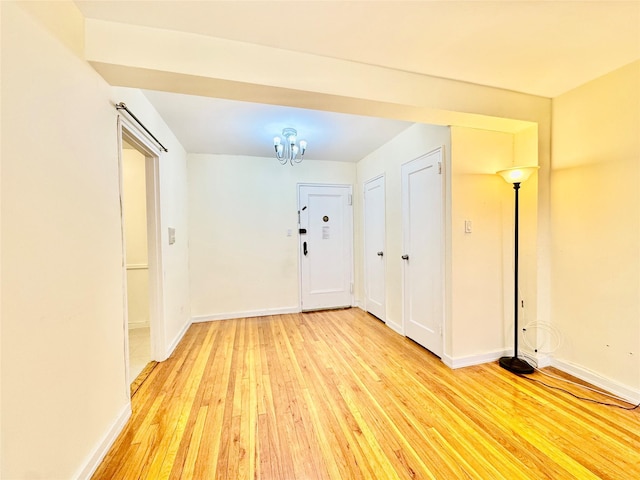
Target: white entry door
(374,251)
(423,256)
(326,244)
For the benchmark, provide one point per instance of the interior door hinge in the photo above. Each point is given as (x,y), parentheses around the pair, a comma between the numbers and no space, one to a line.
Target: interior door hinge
(350,199)
(351,288)
(440,168)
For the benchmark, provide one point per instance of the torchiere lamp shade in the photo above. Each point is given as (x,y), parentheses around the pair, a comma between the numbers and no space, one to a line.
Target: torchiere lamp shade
(517,174)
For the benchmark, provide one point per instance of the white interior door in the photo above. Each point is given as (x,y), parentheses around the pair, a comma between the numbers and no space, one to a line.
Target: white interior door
(423,256)
(326,243)
(374,251)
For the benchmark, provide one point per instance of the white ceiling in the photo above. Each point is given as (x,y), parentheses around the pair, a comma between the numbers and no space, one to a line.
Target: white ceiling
(211,125)
(539,47)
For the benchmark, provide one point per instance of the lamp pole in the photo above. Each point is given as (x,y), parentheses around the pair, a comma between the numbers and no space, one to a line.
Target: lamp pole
(515,364)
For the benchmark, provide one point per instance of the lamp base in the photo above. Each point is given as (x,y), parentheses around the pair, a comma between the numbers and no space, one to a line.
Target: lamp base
(515,365)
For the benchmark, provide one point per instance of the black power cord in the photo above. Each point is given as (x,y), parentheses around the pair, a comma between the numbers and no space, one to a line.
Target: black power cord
(586,399)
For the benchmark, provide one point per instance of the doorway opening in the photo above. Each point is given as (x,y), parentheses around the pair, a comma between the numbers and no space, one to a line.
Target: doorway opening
(141,243)
(134,208)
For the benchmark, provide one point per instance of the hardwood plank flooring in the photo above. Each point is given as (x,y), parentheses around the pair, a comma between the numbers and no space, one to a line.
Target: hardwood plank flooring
(338,395)
(142,376)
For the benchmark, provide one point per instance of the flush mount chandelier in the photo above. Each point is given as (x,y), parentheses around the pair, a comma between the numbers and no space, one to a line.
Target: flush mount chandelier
(287,149)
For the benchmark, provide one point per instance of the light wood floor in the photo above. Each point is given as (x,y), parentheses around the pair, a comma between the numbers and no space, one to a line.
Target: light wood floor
(338,395)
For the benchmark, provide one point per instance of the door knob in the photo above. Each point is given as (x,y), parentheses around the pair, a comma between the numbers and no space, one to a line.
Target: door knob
(380,254)
(405,257)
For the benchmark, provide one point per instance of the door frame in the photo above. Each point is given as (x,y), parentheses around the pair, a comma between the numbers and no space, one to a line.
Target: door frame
(443,245)
(300,254)
(364,230)
(140,140)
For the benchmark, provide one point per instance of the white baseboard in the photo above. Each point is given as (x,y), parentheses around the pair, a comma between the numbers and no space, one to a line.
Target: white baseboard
(245,314)
(134,325)
(470,360)
(538,360)
(176,340)
(544,361)
(396,327)
(593,378)
(92,464)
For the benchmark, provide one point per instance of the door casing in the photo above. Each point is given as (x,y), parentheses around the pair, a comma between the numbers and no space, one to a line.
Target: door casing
(138,139)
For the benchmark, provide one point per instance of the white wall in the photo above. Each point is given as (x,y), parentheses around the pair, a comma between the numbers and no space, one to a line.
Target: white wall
(1,355)
(533,245)
(596,228)
(64,391)
(241,260)
(482,295)
(63,371)
(413,142)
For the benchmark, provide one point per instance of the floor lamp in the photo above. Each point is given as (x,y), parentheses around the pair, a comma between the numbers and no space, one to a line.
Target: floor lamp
(516,176)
